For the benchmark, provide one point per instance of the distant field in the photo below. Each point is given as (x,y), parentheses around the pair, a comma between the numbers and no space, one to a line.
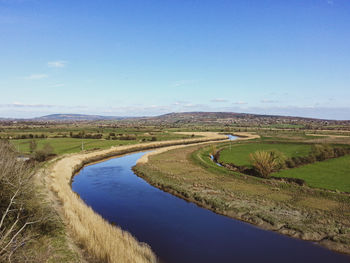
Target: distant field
(71,145)
(238,154)
(68,145)
(333,174)
(284,126)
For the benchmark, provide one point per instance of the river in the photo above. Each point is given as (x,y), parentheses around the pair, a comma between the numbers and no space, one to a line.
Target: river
(179,231)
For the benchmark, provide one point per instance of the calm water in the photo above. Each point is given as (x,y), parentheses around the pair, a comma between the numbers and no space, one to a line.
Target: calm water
(179,231)
(231,137)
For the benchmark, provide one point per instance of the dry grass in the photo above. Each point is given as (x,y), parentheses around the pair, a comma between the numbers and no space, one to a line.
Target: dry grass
(301,212)
(329,139)
(104,241)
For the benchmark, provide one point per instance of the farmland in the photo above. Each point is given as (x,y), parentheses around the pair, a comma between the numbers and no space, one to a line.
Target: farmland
(333,174)
(239,153)
(63,144)
(189,173)
(288,208)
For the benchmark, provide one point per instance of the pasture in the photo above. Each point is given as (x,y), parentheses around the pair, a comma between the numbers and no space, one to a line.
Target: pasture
(238,154)
(332,174)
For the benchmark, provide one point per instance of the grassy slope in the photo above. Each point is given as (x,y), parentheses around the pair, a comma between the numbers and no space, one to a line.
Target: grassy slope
(239,153)
(333,174)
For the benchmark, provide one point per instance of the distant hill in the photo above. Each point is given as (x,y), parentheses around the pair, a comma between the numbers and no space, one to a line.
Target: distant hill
(215,116)
(224,115)
(75,117)
(229,118)
(192,118)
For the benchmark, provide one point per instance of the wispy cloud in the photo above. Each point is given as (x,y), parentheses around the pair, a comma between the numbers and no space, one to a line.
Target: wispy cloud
(57,64)
(177,103)
(37,76)
(219,100)
(180,83)
(268,101)
(330,2)
(31,106)
(240,103)
(24,105)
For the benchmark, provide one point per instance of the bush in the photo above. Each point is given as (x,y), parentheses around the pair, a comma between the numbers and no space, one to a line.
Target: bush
(43,154)
(290,163)
(32,146)
(127,137)
(267,162)
(279,158)
(322,152)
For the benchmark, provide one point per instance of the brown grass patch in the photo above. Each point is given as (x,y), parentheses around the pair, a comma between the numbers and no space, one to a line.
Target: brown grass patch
(317,203)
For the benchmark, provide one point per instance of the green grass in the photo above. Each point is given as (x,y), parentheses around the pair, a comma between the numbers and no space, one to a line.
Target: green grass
(238,154)
(68,145)
(191,174)
(333,174)
(72,145)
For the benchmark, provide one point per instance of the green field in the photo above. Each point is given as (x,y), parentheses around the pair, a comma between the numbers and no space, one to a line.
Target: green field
(238,154)
(68,145)
(72,145)
(333,174)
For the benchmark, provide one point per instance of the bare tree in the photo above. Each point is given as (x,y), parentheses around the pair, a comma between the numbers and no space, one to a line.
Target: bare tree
(16,192)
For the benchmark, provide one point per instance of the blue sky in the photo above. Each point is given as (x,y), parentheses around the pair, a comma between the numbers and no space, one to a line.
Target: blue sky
(151,57)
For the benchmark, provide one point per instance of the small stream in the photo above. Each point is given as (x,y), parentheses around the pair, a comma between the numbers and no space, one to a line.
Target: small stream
(179,231)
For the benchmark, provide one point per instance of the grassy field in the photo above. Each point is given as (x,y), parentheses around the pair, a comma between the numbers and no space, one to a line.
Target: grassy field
(310,214)
(333,174)
(69,145)
(238,154)
(72,145)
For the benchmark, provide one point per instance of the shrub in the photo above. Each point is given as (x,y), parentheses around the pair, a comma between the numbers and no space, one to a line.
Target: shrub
(279,158)
(322,152)
(32,146)
(128,137)
(290,163)
(43,154)
(267,162)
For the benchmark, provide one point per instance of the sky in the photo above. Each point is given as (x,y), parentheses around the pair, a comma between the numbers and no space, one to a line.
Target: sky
(145,58)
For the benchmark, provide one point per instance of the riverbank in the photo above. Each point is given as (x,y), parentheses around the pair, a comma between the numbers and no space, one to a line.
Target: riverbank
(300,212)
(91,232)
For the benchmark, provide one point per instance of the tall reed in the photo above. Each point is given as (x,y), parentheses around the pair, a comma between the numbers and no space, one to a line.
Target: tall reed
(102,240)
